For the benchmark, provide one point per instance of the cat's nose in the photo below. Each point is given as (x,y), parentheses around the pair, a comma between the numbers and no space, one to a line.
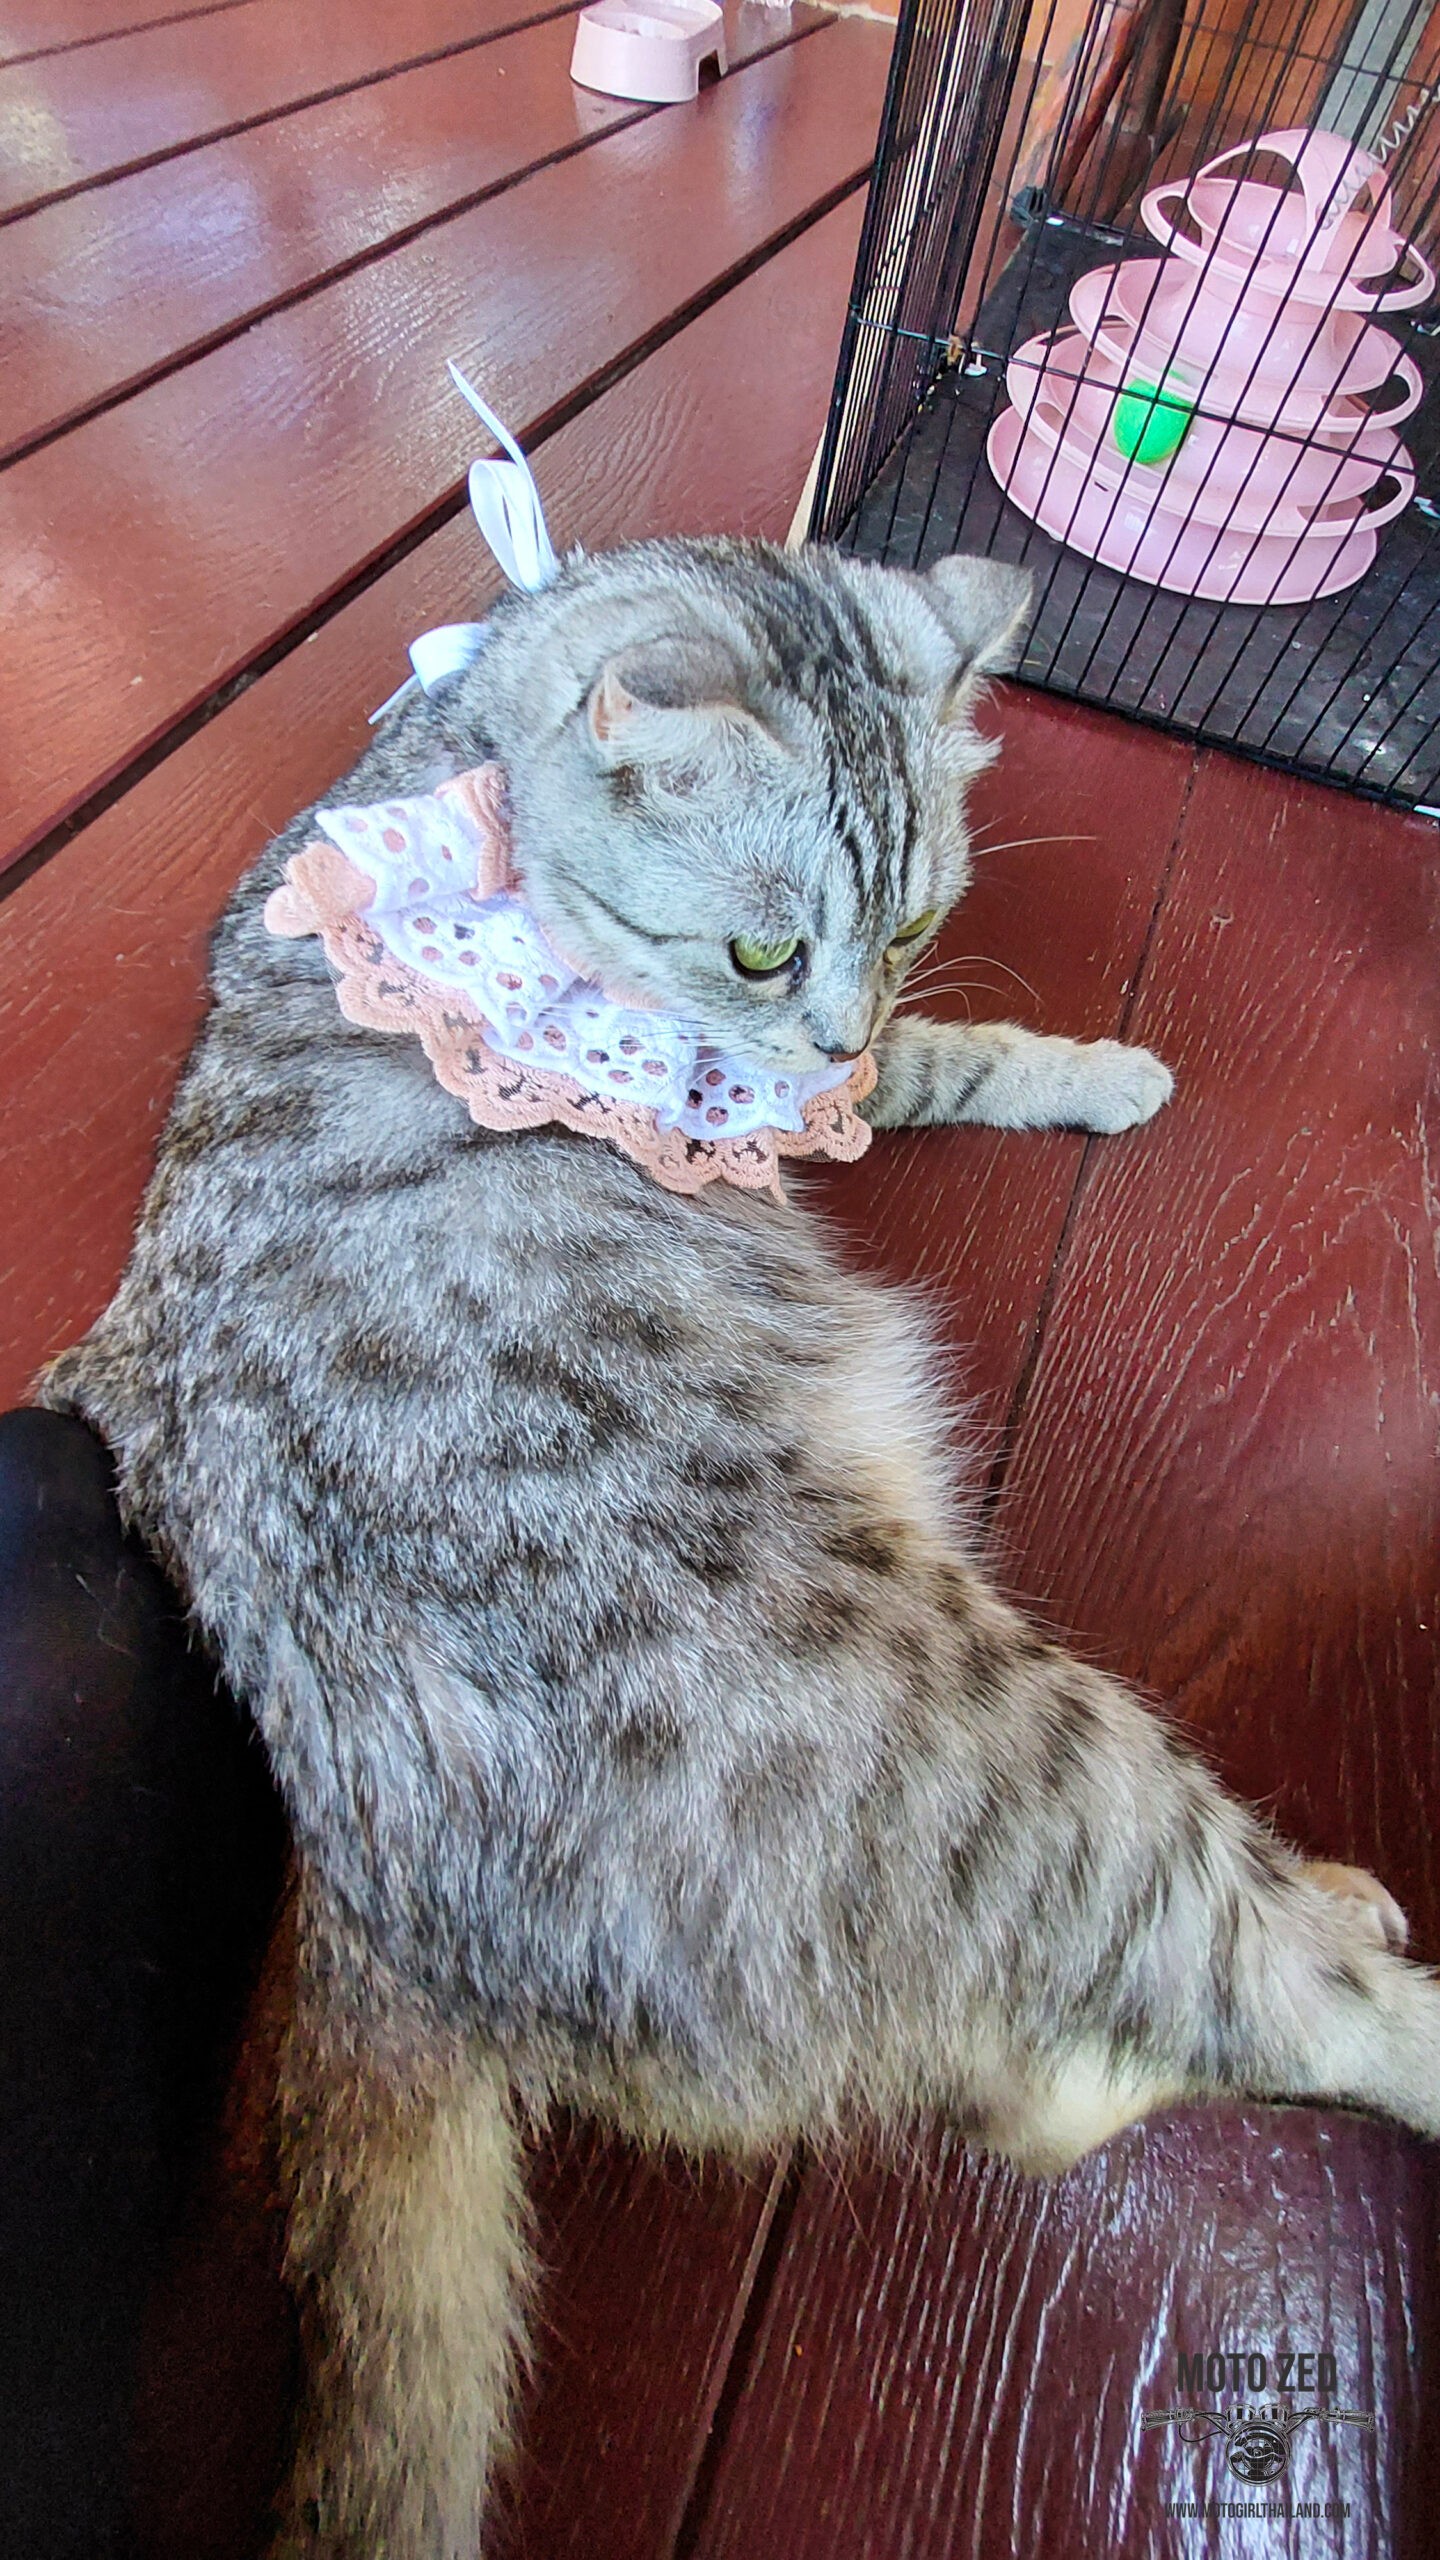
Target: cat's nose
(839,1039)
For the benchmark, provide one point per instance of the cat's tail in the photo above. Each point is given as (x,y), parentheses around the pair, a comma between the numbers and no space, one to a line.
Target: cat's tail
(406,2255)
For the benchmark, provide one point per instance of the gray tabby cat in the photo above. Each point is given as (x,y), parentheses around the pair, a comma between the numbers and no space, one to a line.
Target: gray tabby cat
(595,1558)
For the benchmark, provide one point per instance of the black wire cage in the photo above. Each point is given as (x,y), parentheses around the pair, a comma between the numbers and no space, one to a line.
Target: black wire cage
(1144,301)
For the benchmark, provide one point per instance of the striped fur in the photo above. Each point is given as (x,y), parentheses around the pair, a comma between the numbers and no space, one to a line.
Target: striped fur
(597,1562)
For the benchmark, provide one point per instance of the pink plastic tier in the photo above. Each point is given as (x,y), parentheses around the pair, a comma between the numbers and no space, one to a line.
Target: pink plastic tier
(1131,534)
(1257,323)
(1324,374)
(1326,238)
(1223,473)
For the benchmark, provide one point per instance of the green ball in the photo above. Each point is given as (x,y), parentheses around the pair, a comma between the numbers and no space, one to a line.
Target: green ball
(1150,425)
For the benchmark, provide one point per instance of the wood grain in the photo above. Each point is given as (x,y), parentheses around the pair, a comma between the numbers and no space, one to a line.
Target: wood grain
(1226,1478)
(1081,814)
(639,2257)
(28,27)
(73,118)
(93,300)
(239,496)
(104,949)
(954,2363)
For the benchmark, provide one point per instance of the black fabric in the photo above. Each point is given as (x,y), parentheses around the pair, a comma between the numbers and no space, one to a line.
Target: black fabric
(141,1850)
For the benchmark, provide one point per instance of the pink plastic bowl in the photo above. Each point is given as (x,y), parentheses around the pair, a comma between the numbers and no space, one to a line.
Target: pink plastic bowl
(654,50)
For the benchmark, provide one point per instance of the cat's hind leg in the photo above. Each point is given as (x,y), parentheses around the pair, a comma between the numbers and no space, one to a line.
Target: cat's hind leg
(1003,1888)
(1175,1947)
(1054,2114)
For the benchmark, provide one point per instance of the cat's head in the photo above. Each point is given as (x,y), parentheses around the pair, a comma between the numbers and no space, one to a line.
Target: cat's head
(737,775)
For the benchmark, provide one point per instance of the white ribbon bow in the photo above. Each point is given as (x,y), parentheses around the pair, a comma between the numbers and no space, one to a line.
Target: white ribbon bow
(509,511)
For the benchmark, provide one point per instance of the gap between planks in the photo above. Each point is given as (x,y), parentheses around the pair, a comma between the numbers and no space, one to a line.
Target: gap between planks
(106,35)
(266,115)
(247,314)
(440,513)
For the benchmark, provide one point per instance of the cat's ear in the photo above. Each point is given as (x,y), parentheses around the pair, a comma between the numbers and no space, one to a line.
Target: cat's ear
(945,629)
(982,605)
(673,702)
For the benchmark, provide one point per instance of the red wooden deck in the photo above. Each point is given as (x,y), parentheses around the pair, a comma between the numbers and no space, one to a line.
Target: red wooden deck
(237,244)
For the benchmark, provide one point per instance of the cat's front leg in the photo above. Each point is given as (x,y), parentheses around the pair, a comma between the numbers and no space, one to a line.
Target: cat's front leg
(1005,1077)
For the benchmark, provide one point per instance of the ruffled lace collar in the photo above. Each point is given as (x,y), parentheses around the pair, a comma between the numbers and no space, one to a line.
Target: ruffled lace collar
(424,922)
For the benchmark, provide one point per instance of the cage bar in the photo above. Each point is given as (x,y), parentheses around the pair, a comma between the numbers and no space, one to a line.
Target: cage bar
(1036,207)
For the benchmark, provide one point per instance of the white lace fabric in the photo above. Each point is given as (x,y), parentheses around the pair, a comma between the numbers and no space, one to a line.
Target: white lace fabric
(420,914)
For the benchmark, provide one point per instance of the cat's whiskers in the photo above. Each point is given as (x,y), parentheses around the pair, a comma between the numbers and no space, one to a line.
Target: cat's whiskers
(929,995)
(938,965)
(942,984)
(987,960)
(933,985)
(1015,844)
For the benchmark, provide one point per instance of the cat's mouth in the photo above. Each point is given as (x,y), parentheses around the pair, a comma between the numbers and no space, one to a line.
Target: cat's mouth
(805,1057)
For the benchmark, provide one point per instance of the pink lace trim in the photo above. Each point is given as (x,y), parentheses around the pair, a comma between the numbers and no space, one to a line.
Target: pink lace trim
(326,894)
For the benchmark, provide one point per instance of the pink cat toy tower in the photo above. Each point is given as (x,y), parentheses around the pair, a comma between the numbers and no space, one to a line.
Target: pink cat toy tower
(1220,420)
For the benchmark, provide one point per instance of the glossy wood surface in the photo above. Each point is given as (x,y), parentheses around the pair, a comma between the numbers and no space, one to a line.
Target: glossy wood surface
(1240,1379)
(954,2362)
(1203,1360)
(162,547)
(96,302)
(77,116)
(28,27)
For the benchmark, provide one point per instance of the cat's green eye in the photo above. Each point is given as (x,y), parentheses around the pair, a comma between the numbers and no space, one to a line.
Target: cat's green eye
(919,924)
(763,959)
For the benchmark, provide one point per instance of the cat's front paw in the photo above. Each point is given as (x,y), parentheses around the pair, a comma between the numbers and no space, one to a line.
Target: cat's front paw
(1117,1087)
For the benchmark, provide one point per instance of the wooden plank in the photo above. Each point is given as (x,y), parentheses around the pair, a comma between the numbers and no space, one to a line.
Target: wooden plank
(73,118)
(96,301)
(1081,813)
(1240,1383)
(238,497)
(1225,1478)
(649,2265)
(104,948)
(954,2364)
(28,27)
